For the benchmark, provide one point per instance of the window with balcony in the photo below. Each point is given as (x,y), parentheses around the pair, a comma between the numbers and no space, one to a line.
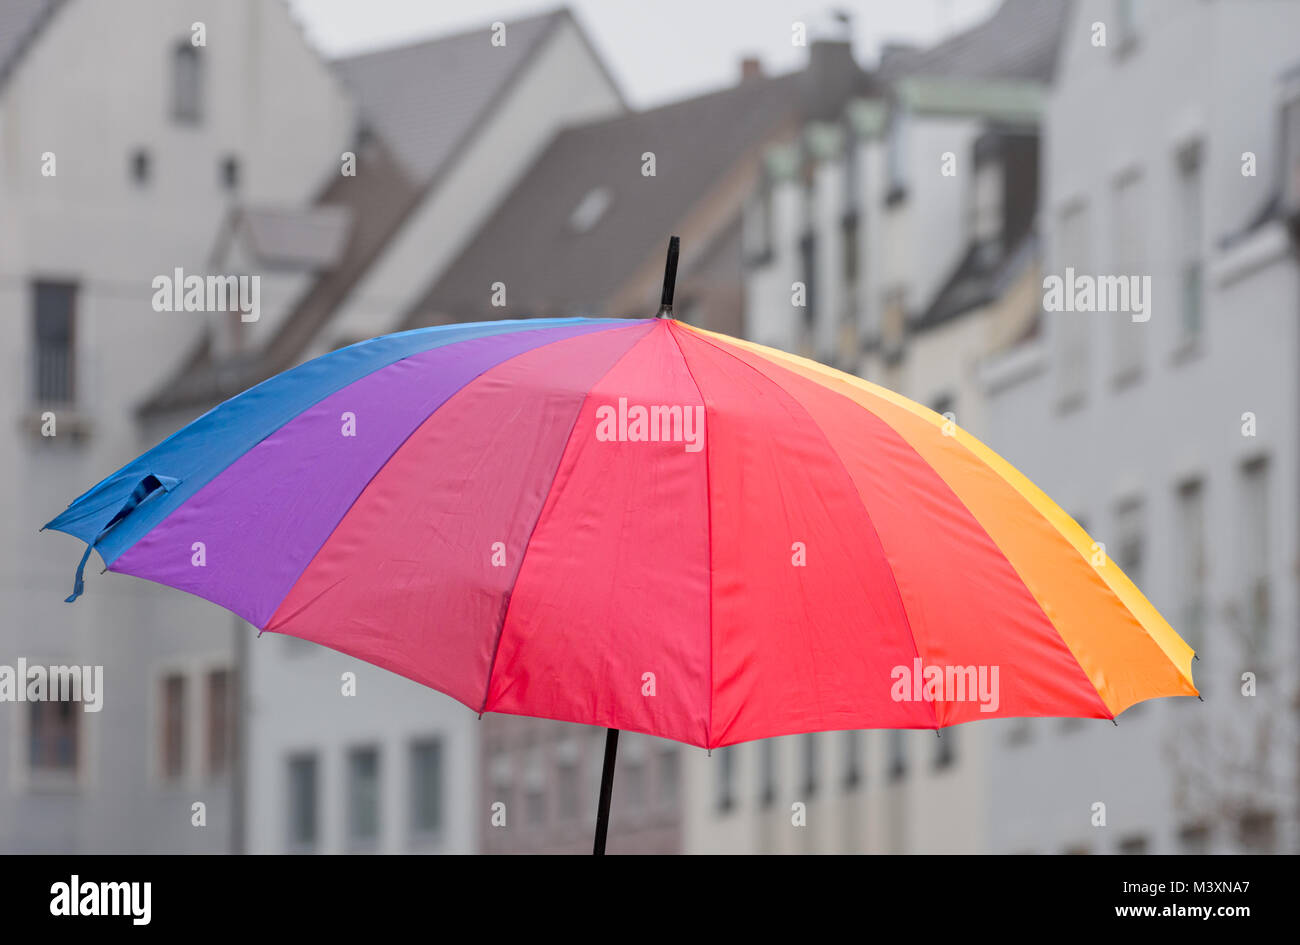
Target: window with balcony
(54,374)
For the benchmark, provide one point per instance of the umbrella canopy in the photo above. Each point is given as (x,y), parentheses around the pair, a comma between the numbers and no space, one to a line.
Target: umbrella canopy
(640,525)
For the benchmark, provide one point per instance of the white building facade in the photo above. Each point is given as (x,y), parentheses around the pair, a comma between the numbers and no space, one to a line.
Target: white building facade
(122,143)
(1169,433)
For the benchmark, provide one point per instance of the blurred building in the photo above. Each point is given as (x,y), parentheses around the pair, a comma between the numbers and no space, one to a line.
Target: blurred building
(121,145)
(584,231)
(1172,440)
(895,241)
(446,127)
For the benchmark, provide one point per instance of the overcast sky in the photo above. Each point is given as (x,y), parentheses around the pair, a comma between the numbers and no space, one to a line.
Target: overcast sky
(658,49)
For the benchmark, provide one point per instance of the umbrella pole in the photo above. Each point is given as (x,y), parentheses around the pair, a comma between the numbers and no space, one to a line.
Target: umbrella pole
(670,279)
(606,791)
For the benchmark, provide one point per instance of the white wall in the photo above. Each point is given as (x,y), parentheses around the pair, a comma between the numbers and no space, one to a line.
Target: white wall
(1199,71)
(94,87)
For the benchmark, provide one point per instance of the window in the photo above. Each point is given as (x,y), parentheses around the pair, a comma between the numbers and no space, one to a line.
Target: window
(1258,832)
(1125,31)
(852,759)
(53,737)
(897,756)
(363,796)
(670,774)
(633,771)
(1190,217)
(766,773)
(590,209)
(302,802)
(1191,563)
(757,224)
(500,776)
(1291,151)
(1194,839)
(726,784)
(808,273)
(986,204)
(1254,544)
(1018,731)
(945,754)
(187,84)
(230,172)
(173,726)
(1129,544)
(219,701)
(893,328)
(568,792)
(896,157)
(140,167)
(1135,845)
(426,787)
(1071,328)
(534,785)
(850,219)
(54,368)
(811,762)
(1128,337)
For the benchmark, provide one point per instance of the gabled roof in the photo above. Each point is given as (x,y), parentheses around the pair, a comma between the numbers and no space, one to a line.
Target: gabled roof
(584,216)
(1019,41)
(419,104)
(376,201)
(424,98)
(20,22)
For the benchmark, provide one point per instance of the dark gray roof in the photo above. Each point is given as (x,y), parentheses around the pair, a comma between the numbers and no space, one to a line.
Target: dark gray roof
(20,21)
(1019,41)
(424,98)
(549,264)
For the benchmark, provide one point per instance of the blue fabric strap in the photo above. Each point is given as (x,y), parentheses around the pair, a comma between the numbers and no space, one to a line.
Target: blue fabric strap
(143,489)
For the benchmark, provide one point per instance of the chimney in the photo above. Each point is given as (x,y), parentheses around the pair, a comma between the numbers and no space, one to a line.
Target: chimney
(751,67)
(831,77)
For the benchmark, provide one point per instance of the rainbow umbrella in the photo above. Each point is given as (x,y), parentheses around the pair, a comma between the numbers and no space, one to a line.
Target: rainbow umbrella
(637,524)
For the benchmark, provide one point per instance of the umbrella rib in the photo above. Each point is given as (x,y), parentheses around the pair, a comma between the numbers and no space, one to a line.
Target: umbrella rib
(708,734)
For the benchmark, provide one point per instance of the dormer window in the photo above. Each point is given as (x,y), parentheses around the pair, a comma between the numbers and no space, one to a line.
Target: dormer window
(590,209)
(187,84)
